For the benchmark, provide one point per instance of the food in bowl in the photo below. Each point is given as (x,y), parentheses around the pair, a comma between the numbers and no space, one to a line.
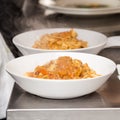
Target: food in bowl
(60,41)
(63,68)
(92,5)
(95,41)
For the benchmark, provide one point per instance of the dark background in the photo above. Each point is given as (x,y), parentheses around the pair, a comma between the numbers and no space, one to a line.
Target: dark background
(17,16)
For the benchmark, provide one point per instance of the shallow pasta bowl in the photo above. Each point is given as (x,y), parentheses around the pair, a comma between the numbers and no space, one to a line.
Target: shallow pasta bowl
(96,41)
(60,89)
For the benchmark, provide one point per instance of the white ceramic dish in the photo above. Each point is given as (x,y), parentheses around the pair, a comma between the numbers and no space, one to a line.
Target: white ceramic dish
(96,41)
(61,6)
(60,89)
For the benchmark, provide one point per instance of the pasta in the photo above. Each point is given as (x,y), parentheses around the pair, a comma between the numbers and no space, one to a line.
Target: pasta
(63,68)
(60,41)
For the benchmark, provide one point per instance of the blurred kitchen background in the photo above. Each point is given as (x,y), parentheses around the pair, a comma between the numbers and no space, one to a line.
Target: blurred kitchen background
(17,16)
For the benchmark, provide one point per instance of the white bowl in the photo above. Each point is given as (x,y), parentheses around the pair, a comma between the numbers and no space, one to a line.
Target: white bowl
(24,41)
(60,89)
(109,3)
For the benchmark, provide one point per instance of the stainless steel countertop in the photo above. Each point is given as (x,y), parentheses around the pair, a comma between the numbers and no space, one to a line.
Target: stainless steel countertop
(105,101)
(100,105)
